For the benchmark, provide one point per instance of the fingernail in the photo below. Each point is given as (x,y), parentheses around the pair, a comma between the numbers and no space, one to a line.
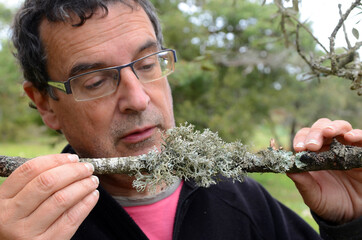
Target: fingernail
(95,193)
(300,145)
(313,142)
(73,157)
(350,134)
(95,179)
(89,166)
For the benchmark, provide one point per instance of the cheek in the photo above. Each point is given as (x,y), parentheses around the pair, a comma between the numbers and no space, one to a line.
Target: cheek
(86,117)
(162,98)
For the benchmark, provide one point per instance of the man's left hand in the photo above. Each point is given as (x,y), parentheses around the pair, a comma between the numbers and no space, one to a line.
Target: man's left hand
(335,196)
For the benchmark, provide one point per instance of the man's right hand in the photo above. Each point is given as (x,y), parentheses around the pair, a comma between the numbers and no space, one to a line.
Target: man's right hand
(47,197)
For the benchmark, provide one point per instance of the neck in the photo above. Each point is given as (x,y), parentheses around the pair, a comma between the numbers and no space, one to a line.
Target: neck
(121,185)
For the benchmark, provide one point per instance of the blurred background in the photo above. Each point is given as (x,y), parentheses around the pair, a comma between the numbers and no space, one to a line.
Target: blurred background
(236,74)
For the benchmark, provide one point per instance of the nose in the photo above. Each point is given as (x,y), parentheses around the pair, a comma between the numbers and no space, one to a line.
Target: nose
(132,93)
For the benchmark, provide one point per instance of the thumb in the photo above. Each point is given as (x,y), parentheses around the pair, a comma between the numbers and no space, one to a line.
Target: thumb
(308,187)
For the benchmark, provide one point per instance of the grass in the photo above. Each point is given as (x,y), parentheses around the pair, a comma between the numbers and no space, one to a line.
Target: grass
(279,185)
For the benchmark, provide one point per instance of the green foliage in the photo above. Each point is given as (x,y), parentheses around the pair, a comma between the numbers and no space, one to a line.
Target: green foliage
(15,116)
(5,15)
(235,72)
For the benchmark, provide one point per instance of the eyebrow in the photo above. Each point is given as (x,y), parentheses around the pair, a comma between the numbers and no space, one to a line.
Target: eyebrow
(83,67)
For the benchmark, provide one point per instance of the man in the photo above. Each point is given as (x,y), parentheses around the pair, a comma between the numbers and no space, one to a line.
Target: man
(68,50)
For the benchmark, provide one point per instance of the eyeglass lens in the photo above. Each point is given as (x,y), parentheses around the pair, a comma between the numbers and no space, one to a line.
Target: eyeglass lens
(104,82)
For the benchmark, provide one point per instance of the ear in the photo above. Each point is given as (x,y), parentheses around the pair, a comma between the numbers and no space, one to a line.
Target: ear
(42,102)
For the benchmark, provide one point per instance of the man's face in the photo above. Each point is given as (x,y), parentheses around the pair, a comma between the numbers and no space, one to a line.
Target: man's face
(127,121)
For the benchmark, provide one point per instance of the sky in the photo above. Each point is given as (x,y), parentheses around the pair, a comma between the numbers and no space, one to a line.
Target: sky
(323,13)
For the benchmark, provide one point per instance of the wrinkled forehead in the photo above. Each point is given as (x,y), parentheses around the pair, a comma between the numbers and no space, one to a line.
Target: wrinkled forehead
(72,22)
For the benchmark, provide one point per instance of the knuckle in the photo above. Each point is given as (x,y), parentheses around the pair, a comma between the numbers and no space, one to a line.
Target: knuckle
(344,124)
(316,129)
(324,120)
(27,168)
(321,121)
(88,183)
(45,182)
(16,204)
(60,199)
(60,159)
(302,132)
(305,129)
(76,214)
(78,171)
(72,216)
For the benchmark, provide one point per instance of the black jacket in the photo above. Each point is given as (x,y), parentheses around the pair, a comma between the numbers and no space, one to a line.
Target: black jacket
(224,211)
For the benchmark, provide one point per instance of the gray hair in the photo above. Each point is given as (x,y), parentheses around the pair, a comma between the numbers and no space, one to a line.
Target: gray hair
(26,38)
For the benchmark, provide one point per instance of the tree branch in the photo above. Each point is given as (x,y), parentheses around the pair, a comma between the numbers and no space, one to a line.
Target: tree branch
(203,156)
(345,65)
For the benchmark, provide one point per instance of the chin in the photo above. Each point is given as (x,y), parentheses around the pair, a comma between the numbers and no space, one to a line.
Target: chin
(140,148)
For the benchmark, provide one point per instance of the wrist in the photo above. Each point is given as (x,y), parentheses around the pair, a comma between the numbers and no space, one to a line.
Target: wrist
(339,230)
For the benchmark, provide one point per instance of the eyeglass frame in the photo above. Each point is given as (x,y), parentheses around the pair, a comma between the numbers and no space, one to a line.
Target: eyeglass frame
(65,86)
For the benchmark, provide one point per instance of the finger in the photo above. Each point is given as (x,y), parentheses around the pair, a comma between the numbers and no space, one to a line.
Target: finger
(30,169)
(299,140)
(61,201)
(69,222)
(47,183)
(315,138)
(336,128)
(354,136)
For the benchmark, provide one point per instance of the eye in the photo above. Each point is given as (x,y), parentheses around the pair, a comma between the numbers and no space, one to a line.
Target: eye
(147,64)
(146,67)
(99,80)
(94,83)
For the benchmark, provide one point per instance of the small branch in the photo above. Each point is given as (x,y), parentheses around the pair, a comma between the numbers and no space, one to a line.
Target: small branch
(203,156)
(344,17)
(332,55)
(344,65)
(344,27)
(299,50)
(334,63)
(309,32)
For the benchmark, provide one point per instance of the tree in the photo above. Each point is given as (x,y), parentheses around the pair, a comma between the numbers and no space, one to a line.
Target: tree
(15,117)
(235,72)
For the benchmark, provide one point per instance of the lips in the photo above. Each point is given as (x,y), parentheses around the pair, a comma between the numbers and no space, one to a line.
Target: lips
(138,135)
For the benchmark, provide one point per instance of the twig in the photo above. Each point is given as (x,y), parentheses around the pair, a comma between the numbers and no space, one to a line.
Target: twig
(203,156)
(299,50)
(309,32)
(344,27)
(334,66)
(344,17)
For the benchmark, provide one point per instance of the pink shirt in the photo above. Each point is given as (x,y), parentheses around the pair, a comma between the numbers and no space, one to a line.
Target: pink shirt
(156,220)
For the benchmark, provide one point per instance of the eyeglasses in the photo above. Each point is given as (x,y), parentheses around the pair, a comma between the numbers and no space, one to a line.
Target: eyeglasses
(103,82)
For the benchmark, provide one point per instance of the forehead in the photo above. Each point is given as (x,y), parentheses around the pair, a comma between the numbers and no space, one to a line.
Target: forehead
(120,31)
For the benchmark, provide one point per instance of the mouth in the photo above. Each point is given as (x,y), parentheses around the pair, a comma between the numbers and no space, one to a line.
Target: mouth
(138,135)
